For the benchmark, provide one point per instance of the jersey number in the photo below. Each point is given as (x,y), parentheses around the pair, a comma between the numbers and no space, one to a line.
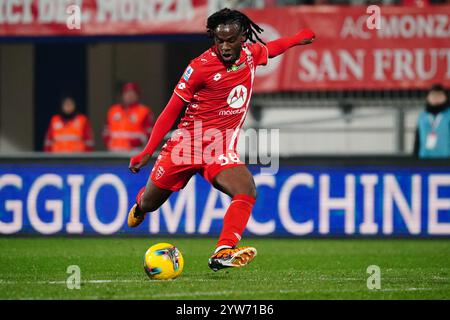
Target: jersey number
(232,157)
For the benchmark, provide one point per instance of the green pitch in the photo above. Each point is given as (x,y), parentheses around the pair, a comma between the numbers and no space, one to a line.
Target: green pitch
(111,268)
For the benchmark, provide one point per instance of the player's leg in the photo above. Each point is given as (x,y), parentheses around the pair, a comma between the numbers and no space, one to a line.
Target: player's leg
(166,177)
(238,183)
(161,184)
(149,199)
(235,180)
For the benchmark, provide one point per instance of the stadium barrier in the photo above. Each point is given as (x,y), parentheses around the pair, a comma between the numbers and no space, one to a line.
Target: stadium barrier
(309,196)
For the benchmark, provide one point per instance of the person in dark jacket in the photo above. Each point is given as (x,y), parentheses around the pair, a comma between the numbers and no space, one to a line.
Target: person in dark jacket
(433,126)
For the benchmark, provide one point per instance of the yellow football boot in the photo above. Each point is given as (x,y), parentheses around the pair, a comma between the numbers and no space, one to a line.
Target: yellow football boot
(135,216)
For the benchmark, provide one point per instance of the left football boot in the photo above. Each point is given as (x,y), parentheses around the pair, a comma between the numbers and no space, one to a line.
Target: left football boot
(135,216)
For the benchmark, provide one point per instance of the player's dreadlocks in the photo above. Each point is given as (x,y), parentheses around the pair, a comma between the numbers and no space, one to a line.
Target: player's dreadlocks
(228,16)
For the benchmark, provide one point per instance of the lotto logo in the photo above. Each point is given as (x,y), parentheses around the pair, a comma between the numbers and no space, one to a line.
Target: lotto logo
(181,86)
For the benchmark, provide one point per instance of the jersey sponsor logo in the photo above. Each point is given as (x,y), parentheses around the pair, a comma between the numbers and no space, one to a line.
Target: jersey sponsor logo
(188,73)
(231,112)
(237,97)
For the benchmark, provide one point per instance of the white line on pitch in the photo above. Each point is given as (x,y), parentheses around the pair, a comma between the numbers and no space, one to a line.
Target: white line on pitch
(186,279)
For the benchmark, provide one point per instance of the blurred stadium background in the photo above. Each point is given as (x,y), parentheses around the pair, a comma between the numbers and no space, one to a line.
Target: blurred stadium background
(339,109)
(346,109)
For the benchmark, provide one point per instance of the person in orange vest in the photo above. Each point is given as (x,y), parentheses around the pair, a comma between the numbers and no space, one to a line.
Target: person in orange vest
(128,124)
(69,130)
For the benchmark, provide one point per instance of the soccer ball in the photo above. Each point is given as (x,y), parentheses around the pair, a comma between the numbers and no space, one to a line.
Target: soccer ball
(163,261)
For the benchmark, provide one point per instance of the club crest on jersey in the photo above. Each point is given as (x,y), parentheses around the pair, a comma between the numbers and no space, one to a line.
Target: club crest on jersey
(237,97)
(188,73)
(235,67)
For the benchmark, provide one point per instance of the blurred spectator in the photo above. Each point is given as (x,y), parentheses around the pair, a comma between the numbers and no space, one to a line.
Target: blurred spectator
(433,126)
(129,123)
(69,131)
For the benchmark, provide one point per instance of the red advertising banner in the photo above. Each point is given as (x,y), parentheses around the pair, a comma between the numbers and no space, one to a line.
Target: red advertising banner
(409,50)
(100,17)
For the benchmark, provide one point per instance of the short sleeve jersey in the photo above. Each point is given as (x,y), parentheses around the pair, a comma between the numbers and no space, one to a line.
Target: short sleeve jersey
(218,95)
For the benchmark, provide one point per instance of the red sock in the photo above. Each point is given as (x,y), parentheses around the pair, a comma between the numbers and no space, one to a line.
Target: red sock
(139,196)
(235,220)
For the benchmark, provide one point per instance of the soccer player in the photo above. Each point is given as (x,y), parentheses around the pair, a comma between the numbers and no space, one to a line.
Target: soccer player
(214,93)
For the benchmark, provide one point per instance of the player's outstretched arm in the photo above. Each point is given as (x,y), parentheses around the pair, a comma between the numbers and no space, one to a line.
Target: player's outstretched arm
(163,124)
(279,46)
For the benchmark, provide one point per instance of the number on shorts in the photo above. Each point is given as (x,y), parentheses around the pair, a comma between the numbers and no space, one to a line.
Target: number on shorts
(232,157)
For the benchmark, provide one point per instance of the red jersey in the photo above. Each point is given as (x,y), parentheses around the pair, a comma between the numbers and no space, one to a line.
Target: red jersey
(218,96)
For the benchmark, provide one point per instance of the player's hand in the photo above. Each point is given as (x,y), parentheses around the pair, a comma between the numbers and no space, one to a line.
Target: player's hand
(305,36)
(139,161)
